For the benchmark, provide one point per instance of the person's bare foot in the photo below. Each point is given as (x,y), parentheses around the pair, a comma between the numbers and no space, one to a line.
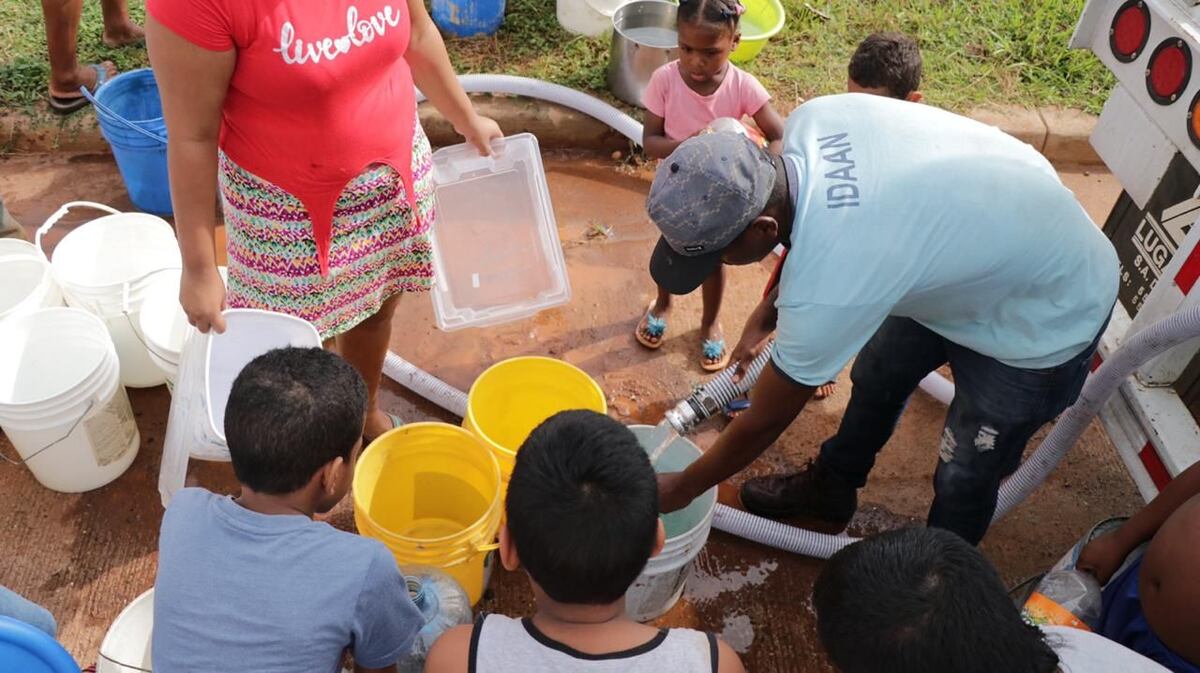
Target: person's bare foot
(123,34)
(84,75)
(378,422)
(825,390)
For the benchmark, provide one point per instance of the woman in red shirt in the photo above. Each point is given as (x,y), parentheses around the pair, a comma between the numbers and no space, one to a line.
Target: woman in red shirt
(302,115)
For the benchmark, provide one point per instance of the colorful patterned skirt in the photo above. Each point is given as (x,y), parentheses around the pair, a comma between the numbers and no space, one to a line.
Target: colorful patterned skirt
(379,247)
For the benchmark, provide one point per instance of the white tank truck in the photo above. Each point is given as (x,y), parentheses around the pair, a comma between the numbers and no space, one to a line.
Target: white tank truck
(1149,137)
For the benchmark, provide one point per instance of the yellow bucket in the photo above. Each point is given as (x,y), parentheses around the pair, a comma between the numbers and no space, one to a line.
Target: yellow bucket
(762,21)
(514,396)
(431,493)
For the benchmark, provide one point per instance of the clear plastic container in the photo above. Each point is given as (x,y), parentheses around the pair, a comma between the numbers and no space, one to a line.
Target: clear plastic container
(497,256)
(443,605)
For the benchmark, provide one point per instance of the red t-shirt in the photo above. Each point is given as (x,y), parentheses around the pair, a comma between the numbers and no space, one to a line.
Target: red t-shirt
(320,91)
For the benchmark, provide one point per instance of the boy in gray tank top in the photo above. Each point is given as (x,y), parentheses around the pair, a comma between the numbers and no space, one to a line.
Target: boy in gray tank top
(582,521)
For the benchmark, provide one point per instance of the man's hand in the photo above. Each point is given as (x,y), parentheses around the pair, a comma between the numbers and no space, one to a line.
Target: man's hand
(672,494)
(755,335)
(1102,557)
(754,339)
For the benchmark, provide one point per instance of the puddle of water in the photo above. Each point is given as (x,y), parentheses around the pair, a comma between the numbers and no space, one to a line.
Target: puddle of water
(703,586)
(738,631)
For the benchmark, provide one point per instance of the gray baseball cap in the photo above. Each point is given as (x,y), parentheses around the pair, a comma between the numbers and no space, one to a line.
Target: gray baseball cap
(703,197)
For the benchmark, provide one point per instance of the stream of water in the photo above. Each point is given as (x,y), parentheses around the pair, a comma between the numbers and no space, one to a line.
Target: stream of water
(664,434)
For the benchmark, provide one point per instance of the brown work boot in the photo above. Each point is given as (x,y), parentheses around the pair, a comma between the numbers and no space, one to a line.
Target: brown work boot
(813,494)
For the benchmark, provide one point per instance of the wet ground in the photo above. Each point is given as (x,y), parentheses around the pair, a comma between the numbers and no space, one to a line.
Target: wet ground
(86,556)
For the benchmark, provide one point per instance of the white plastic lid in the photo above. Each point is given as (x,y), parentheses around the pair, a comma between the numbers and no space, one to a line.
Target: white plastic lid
(497,256)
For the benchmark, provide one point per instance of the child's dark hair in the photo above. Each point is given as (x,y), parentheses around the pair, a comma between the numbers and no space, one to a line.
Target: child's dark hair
(888,61)
(583,508)
(919,600)
(292,410)
(717,13)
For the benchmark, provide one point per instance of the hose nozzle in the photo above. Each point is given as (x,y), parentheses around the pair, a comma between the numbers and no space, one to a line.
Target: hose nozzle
(709,399)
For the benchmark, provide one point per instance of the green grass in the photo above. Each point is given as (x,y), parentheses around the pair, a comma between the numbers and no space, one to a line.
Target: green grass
(976,51)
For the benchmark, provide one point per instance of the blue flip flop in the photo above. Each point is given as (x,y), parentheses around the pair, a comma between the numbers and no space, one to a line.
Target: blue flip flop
(655,327)
(713,349)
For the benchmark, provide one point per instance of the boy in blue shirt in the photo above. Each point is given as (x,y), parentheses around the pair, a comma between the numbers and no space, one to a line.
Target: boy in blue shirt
(252,583)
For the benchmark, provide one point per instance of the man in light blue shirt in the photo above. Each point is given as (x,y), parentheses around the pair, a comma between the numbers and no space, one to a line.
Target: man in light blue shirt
(916,238)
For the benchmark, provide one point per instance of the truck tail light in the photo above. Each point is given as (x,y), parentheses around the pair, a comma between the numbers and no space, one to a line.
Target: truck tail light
(1193,120)
(1129,31)
(1169,70)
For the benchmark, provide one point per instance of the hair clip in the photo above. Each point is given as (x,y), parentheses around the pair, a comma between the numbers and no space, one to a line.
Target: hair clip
(739,9)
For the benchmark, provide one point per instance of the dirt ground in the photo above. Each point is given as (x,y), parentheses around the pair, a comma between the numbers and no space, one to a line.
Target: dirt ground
(86,556)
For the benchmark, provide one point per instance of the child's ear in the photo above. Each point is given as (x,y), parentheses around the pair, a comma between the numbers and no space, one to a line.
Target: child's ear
(660,539)
(737,38)
(915,97)
(333,474)
(508,551)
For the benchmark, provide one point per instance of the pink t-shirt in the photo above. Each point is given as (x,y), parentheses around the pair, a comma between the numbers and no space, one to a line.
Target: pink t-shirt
(686,112)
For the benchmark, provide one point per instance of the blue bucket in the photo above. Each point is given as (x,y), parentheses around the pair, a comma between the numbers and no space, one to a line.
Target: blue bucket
(468,18)
(29,650)
(131,119)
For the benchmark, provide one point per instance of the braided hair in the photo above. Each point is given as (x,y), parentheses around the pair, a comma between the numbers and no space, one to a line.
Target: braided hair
(715,13)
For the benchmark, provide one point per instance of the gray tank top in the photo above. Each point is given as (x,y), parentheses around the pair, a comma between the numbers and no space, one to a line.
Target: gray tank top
(501,644)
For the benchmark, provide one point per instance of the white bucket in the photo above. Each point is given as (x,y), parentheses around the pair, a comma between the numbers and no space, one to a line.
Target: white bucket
(61,401)
(105,266)
(28,284)
(586,17)
(164,326)
(17,246)
(248,334)
(208,365)
(126,646)
(661,584)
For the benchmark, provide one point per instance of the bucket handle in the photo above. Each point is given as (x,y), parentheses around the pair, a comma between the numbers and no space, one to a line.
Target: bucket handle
(35,454)
(137,332)
(122,665)
(106,111)
(61,213)
(479,548)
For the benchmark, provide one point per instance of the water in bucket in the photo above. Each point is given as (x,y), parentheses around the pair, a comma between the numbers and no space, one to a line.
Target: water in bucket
(661,584)
(431,493)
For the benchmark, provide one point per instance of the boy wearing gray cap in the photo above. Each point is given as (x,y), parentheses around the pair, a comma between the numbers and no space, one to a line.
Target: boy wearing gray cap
(916,238)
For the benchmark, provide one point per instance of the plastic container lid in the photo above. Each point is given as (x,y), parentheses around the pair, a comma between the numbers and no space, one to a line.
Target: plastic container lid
(497,256)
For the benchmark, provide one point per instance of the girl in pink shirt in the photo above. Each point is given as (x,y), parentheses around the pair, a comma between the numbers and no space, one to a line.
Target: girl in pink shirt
(682,99)
(301,115)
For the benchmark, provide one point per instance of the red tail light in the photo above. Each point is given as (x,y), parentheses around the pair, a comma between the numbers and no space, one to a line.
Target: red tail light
(1169,70)
(1129,31)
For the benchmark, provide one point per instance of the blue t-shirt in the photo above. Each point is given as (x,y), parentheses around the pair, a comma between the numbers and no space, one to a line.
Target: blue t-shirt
(243,591)
(907,210)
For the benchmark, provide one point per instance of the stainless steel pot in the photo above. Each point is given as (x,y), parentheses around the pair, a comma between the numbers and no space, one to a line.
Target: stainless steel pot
(643,40)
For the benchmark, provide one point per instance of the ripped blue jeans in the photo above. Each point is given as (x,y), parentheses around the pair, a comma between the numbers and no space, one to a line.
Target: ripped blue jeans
(996,409)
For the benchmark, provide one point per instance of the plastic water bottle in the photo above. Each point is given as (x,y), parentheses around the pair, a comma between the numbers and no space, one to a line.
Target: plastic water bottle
(1065,598)
(443,604)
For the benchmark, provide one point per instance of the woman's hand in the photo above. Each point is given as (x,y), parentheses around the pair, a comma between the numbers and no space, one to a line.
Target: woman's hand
(480,132)
(202,295)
